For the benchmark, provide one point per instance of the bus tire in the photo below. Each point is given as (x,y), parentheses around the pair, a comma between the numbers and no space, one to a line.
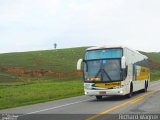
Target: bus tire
(145,87)
(129,95)
(99,97)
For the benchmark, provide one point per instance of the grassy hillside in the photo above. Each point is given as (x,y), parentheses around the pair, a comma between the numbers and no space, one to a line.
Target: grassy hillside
(49,64)
(52,65)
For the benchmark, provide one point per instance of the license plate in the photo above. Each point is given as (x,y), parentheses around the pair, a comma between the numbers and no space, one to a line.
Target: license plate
(102,93)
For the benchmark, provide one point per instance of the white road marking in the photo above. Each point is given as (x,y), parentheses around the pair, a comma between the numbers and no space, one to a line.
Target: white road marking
(38,111)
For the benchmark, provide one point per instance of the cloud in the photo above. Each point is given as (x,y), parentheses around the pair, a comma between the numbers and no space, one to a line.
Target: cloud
(18,10)
(36,24)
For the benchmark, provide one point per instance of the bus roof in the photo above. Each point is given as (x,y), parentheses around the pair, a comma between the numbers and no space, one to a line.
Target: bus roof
(103,47)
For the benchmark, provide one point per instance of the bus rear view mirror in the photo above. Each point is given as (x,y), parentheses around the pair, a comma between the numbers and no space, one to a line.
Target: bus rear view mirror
(79,63)
(123,62)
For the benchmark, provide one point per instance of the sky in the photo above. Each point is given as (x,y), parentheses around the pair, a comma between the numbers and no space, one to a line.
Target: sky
(27,25)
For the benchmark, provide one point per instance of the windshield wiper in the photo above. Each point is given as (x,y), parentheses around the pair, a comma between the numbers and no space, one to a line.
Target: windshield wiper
(107,75)
(100,71)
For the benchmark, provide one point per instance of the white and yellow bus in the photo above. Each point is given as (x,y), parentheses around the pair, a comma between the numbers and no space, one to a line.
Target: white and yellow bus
(114,70)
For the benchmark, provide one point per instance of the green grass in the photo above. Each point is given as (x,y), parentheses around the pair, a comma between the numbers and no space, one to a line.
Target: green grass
(18,95)
(60,61)
(155,56)
(57,60)
(155,75)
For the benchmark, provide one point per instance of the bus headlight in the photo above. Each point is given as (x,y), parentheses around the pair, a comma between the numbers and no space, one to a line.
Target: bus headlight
(88,85)
(121,92)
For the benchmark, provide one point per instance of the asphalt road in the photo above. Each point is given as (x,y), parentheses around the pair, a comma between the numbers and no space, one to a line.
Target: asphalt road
(85,107)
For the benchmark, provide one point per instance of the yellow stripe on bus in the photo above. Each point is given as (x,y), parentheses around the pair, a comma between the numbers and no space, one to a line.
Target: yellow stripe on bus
(142,74)
(108,85)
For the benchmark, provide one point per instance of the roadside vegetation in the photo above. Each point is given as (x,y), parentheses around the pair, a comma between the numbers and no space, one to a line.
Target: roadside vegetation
(39,76)
(39,91)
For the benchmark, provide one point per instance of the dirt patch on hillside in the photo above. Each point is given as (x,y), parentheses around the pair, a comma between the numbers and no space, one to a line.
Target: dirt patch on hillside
(37,72)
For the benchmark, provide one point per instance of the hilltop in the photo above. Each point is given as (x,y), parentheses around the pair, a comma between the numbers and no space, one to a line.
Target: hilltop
(53,65)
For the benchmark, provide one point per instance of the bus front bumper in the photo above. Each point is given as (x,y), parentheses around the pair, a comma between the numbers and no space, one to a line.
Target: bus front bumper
(117,91)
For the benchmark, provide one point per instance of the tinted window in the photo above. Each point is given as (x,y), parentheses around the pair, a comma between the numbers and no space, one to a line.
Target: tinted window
(102,54)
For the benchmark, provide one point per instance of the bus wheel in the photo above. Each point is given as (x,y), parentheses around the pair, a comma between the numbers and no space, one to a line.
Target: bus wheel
(99,97)
(131,92)
(145,87)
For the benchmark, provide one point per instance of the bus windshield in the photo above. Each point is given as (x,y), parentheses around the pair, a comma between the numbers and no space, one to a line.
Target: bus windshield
(103,54)
(102,70)
(103,65)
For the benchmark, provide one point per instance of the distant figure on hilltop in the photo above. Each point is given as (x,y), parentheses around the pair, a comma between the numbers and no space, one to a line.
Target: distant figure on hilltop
(55,45)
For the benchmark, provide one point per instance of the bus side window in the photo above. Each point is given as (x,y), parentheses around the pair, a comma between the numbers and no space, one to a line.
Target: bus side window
(124,72)
(134,71)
